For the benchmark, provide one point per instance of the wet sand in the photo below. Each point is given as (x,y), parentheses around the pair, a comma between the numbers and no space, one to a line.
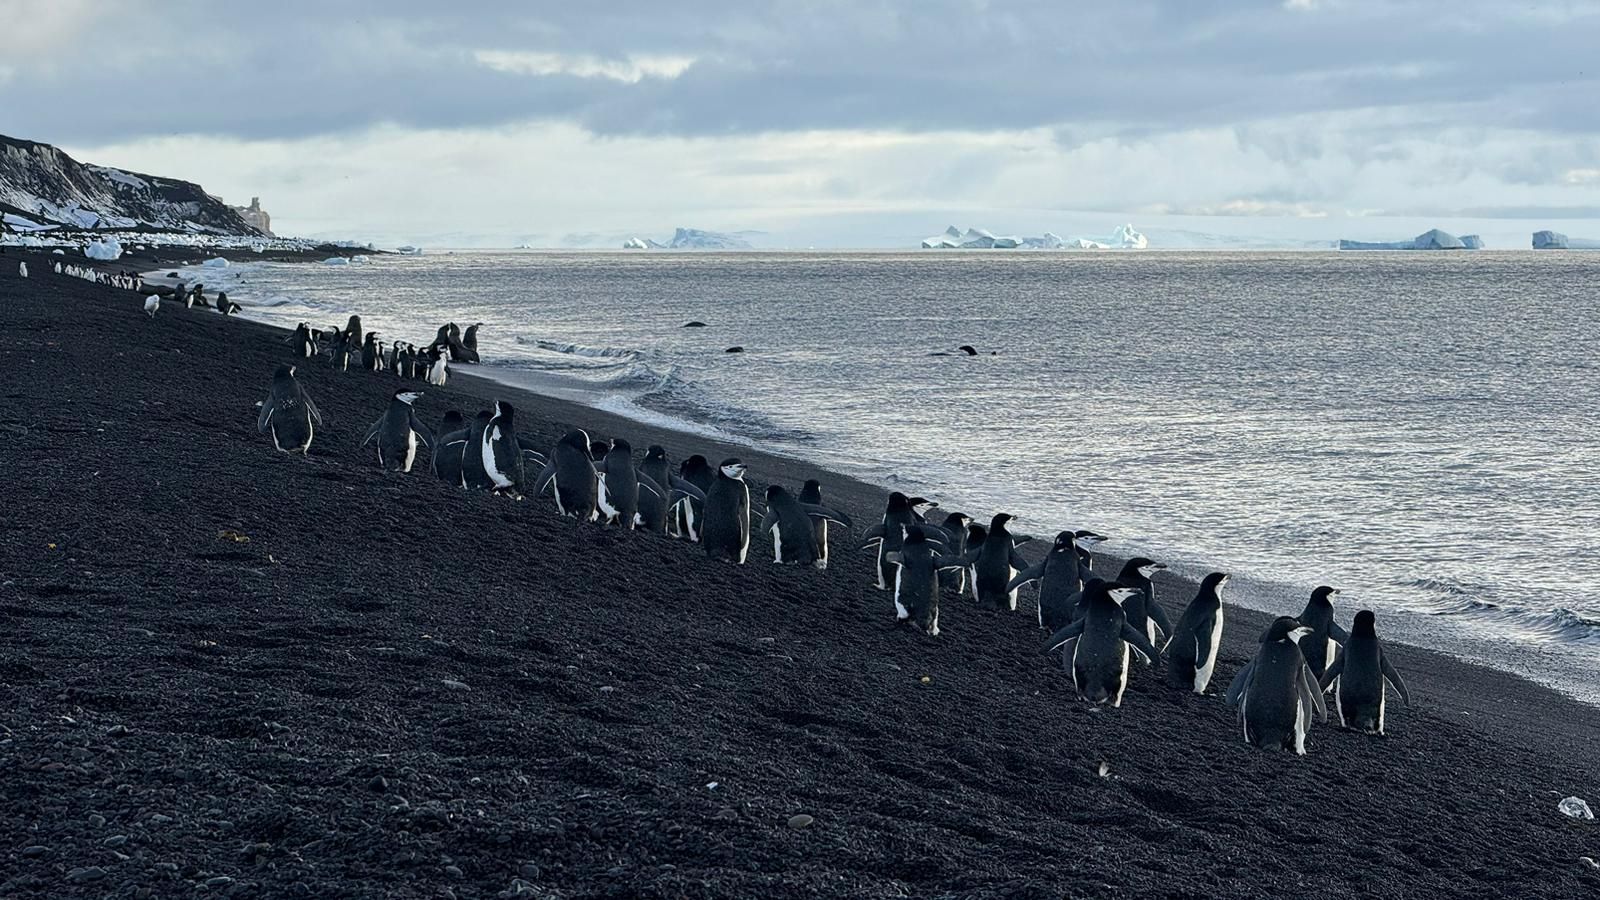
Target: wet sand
(228,669)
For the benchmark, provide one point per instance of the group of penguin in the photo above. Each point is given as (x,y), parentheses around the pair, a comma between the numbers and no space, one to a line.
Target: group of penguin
(1098,624)
(350,344)
(189,296)
(128,281)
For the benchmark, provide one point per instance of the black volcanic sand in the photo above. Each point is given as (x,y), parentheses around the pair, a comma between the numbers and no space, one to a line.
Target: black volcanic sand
(234,671)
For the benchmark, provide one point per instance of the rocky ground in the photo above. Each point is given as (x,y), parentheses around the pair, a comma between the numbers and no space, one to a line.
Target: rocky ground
(233,673)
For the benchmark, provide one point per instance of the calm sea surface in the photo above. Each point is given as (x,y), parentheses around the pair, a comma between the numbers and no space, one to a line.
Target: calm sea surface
(1415,429)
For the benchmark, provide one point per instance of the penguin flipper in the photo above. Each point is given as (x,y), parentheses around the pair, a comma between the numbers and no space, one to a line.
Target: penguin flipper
(546,475)
(1033,573)
(311,406)
(682,488)
(1332,672)
(423,431)
(1017,560)
(1064,635)
(1393,674)
(649,484)
(1154,610)
(823,512)
(1202,640)
(372,432)
(894,557)
(460,434)
(947,563)
(1140,643)
(1308,688)
(1240,684)
(264,421)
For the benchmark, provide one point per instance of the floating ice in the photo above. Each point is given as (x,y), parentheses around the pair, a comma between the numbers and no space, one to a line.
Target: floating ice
(1435,239)
(104,250)
(336,261)
(1575,808)
(1123,237)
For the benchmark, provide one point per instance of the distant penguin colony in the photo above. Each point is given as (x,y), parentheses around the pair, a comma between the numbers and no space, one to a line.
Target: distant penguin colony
(1098,625)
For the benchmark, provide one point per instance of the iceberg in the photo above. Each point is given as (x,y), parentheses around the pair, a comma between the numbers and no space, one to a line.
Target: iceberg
(1555,240)
(1124,237)
(216,262)
(1435,239)
(336,261)
(639,244)
(695,239)
(408,250)
(104,250)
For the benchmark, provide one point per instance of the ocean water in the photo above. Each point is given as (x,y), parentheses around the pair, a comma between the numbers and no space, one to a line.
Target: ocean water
(1418,430)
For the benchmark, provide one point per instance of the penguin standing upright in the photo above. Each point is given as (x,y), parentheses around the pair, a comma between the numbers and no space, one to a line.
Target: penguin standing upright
(394,359)
(1276,692)
(470,339)
(1060,577)
(1192,649)
(690,514)
(288,413)
(152,304)
(1100,641)
(620,485)
(500,452)
(1144,613)
(889,533)
(398,431)
(727,526)
(371,356)
(474,477)
(917,565)
(811,493)
(22,269)
(352,333)
(653,509)
(570,475)
(447,456)
(789,523)
(1321,646)
(342,350)
(994,563)
(438,367)
(1358,677)
(304,344)
(955,530)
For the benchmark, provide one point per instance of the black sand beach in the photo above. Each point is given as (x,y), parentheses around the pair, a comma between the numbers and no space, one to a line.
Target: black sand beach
(234,673)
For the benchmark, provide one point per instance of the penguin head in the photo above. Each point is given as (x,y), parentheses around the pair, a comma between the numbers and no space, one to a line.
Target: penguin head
(922,501)
(693,464)
(914,534)
(598,450)
(1119,592)
(998,523)
(655,452)
(1214,583)
(1365,625)
(1087,539)
(283,373)
(811,491)
(407,397)
(1323,596)
(452,421)
(774,491)
(1145,567)
(577,439)
(957,520)
(1285,628)
(620,445)
(503,410)
(1065,541)
(898,502)
(732,468)
(976,534)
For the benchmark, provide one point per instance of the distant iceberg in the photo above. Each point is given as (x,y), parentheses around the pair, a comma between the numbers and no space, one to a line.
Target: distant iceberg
(690,239)
(408,250)
(639,244)
(1124,237)
(1436,239)
(1555,240)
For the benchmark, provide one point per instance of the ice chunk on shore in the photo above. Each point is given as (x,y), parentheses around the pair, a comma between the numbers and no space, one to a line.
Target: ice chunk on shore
(216,262)
(1576,808)
(336,261)
(104,250)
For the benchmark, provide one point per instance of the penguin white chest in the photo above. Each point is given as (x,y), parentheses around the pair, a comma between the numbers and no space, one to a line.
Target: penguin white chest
(500,479)
(411,450)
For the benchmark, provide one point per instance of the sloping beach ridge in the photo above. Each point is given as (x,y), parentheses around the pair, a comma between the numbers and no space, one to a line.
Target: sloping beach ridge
(264,675)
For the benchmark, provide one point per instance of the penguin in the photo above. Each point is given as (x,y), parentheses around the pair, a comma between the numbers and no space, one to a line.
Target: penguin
(653,509)
(955,529)
(152,303)
(994,563)
(790,524)
(1358,675)
(1321,646)
(1192,648)
(352,333)
(181,295)
(1144,613)
(917,565)
(449,340)
(501,454)
(976,535)
(22,269)
(342,349)
(447,456)
(304,344)
(811,493)
(888,534)
(1100,641)
(691,514)
(474,477)
(727,525)
(598,450)
(470,339)
(371,356)
(620,485)
(397,431)
(288,413)
(438,368)
(1276,693)
(394,359)
(1060,582)
(198,295)
(225,306)
(569,473)
(1086,540)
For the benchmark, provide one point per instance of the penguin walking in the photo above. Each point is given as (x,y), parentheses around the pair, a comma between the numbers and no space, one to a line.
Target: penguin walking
(438,368)
(305,344)
(398,431)
(727,526)
(690,515)
(1100,643)
(790,522)
(180,294)
(447,456)
(371,356)
(1144,613)
(1192,649)
(570,474)
(1276,693)
(152,303)
(995,562)
(1061,581)
(917,565)
(890,533)
(288,413)
(1358,676)
(1321,646)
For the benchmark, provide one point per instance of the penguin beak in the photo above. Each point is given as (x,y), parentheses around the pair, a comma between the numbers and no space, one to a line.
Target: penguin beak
(1297,633)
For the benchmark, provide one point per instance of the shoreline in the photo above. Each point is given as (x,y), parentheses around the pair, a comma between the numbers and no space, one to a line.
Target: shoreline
(288,673)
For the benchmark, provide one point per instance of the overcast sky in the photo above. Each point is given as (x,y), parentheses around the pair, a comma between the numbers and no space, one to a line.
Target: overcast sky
(550,122)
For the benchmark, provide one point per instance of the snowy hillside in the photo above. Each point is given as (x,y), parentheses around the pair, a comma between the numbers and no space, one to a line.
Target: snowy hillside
(45,185)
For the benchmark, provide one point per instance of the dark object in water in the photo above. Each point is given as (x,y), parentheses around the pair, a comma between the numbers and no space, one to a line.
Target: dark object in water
(172,274)
(734,350)
(968,349)
(695,324)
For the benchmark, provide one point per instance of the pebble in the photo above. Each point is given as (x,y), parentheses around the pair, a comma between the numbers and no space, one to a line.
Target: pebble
(1586,860)
(455,685)
(378,783)
(800,821)
(86,874)
(727,815)
(218,881)
(528,870)
(116,840)
(159,819)
(96,820)
(454,872)
(35,850)
(117,730)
